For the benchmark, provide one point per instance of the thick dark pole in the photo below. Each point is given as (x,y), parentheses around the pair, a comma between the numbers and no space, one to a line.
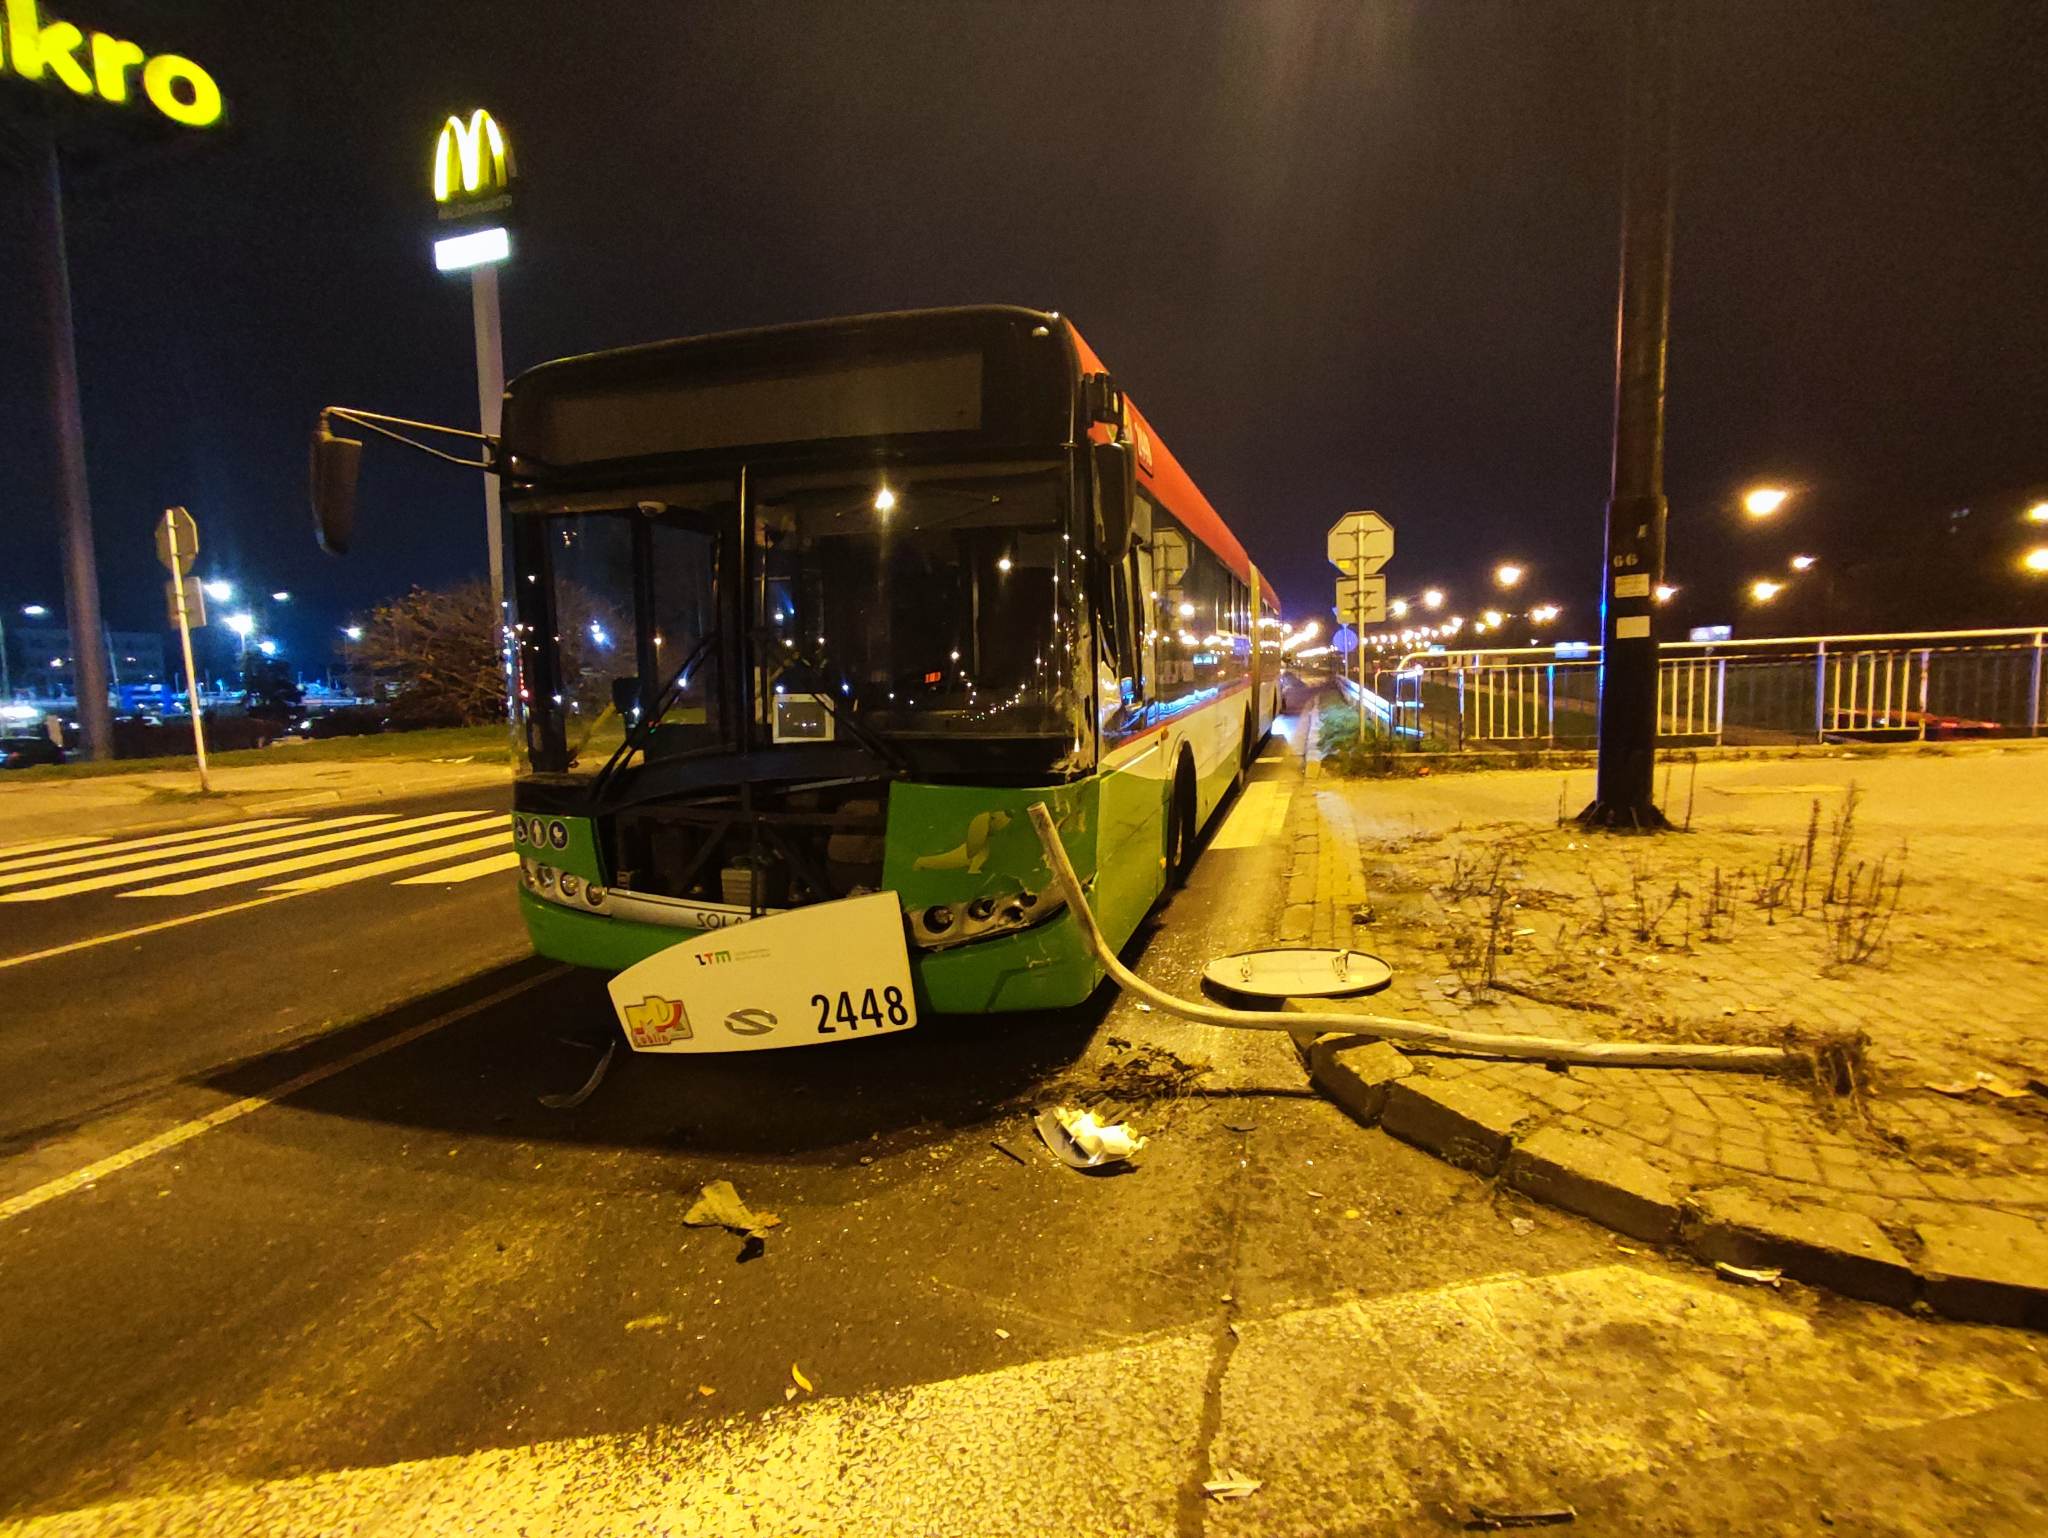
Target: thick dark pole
(1624,795)
(81,572)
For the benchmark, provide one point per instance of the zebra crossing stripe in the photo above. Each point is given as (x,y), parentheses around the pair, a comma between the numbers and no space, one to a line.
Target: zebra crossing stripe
(9,853)
(327,856)
(106,860)
(97,848)
(179,865)
(495,839)
(489,866)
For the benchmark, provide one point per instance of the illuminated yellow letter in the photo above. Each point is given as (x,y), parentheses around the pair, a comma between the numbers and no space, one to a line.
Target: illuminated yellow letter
(111,60)
(164,71)
(38,47)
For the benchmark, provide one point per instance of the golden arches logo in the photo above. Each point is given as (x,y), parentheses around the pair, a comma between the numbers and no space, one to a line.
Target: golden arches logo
(471,157)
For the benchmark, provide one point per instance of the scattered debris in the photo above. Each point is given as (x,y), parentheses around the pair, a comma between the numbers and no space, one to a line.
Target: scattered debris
(1982,1083)
(1083,1143)
(1232,1486)
(867,1158)
(1237,1126)
(1486,1520)
(1353,1212)
(1755,1276)
(1628,1249)
(796,1373)
(649,1322)
(718,1205)
(706,1390)
(1317,1195)
(570,1102)
(1522,1226)
(1005,1150)
(1002,1334)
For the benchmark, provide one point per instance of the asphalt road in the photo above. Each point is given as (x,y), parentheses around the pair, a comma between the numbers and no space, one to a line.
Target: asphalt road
(406,1297)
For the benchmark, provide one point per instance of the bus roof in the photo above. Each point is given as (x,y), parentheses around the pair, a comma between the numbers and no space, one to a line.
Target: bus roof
(1159,470)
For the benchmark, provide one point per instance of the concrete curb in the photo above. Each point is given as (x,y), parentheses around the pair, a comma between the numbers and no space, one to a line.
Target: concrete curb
(1975,1264)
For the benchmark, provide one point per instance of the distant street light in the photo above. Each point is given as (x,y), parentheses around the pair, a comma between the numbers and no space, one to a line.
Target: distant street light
(220,590)
(1507,574)
(1398,608)
(1492,618)
(353,632)
(1543,614)
(2036,559)
(2038,513)
(1763,590)
(267,646)
(1665,592)
(34,610)
(242,624)
(1802,563)
(280,597)
(1762,501)
(1433,598)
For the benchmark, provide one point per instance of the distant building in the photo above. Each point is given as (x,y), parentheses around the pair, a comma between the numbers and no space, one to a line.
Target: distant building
(39,660)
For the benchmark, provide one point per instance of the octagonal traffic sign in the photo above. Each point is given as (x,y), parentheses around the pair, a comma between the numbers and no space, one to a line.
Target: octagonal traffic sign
(1361,543)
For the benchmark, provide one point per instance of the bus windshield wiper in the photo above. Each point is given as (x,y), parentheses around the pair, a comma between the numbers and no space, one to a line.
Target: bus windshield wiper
(641,730)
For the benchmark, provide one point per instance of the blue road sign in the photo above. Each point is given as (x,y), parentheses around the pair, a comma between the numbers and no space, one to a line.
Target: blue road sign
(1345,640)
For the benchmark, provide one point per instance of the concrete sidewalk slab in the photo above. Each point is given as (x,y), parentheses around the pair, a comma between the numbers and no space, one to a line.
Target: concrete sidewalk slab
(1496,917)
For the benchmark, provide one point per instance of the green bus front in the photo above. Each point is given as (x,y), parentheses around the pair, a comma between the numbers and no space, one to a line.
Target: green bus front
(811,612)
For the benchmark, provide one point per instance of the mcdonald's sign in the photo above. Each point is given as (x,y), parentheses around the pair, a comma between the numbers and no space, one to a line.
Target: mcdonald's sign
(472,165)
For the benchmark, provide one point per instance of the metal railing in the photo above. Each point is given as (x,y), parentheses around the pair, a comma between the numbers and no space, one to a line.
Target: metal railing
(1904,686)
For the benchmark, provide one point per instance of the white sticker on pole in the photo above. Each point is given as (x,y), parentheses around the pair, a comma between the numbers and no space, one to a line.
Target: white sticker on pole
(1635,586)
(829,972)
(1631,627)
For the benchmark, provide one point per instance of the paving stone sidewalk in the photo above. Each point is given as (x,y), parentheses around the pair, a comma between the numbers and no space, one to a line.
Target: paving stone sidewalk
(1497,919)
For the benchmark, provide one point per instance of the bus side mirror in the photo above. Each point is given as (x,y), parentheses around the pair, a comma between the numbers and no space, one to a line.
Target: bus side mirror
(335,463)
(1116,497)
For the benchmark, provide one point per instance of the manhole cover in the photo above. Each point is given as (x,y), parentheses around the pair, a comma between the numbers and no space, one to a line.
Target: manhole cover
(1294,973)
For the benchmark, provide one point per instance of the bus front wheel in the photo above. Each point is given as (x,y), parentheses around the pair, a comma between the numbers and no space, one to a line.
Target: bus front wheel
(1180,827)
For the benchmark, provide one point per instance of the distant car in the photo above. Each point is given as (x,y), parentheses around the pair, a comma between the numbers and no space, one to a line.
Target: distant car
(1893,725)
(27,752)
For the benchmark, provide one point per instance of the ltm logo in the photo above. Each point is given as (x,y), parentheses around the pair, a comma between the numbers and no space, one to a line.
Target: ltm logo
(712,958)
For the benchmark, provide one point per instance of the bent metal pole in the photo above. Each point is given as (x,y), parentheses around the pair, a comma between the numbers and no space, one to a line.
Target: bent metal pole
(1546,1049)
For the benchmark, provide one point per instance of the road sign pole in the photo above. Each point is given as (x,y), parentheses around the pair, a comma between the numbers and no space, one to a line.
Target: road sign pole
(1624,794)
(1358,539)
(192,686)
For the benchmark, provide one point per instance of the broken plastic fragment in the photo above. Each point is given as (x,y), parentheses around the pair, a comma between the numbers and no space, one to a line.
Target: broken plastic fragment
(1232,1486)
(718,1205)
(1082,1142)
(802,1382)
(1756,1276)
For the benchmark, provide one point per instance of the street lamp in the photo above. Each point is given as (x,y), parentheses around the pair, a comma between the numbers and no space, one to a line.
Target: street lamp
(1762,501)
(219,589)
(2036,560)
(1665,592)
(1433,598)
(1398,608)
(1507,574)
(1763,590)
(1492,617)
(1544,613)
(1802,562)
(34,610)
(280,597)
(2038,513)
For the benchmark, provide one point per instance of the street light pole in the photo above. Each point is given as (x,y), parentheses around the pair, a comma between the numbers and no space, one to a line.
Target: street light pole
(45,183)
(1626,778)
(490,395)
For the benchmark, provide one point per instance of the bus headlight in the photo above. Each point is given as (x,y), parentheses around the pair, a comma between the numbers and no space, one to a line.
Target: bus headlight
(941,926)
(571,885)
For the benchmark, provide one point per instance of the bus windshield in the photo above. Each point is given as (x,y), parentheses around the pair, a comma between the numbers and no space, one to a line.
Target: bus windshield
(922,605)
(919,604)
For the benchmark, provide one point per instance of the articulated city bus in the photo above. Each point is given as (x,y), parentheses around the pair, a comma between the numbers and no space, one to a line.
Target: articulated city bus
(813,612)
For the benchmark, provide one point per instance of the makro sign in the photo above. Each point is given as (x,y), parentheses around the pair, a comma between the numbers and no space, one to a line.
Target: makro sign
(471,160)
(100,65)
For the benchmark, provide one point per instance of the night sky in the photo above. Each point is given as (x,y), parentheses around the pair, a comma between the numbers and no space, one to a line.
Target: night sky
(1344,255)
